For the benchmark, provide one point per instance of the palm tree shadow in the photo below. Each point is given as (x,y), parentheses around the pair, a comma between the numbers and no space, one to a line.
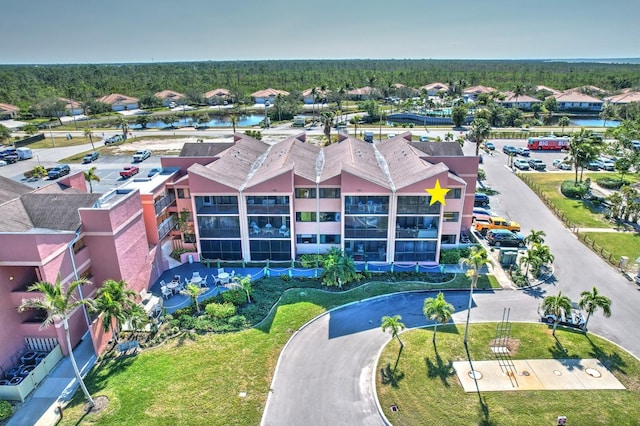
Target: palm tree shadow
(483,411)
(612,361)
(391,376)
(439,369)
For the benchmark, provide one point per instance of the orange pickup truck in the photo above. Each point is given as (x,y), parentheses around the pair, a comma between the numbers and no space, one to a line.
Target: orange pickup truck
(485,224)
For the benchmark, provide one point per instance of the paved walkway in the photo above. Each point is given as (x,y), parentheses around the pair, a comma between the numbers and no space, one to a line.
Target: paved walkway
(41,407)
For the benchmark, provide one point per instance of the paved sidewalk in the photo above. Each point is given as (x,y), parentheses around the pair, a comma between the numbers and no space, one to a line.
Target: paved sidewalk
(41,407)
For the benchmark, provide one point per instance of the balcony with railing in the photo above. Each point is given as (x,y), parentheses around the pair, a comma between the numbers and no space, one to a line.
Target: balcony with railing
(164,202)
(166,226)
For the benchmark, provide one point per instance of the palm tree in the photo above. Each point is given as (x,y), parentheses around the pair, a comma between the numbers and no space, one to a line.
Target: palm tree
(90,176)
(243,283)
(356,119)
(563,122)
(438,310)
(591,301)
(535,237)
(326,119)
(114,301)
(476,259)
(372,81)
(89,134)
(557,306)
(448,137)
(314,95)
(518,90)
(234,121)
(193,291)
(394,325)
(582,149)
(338,268)
(58,303)
(480,129)
(122,122)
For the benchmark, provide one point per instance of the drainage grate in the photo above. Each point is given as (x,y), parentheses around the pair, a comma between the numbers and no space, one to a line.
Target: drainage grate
(394,408)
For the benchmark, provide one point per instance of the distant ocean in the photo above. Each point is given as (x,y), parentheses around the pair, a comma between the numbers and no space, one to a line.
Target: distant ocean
(599,60)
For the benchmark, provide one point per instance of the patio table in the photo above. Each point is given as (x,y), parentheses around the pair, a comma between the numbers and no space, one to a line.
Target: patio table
(173,285)
(196,280)
(224,277)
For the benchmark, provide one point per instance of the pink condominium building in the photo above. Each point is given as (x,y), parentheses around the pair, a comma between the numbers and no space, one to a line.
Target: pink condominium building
(254,201)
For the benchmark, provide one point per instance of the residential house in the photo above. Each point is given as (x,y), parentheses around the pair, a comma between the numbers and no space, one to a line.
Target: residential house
(320,96)
(254,201)
(361,93)
(434,88)
(577,101)
(626,97)
(218,97)
(524,102)
(120,102)
(547,89)
(471,93)
(170,98)
(72,107)
(267,95)
(8,111)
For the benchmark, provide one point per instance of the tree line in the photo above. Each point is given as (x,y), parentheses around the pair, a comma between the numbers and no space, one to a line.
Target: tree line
(24,85)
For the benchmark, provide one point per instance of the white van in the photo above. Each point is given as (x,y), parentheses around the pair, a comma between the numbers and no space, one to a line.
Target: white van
(24,153)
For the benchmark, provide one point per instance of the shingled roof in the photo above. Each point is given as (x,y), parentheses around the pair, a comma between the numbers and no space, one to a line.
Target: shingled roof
(439,149)
(10,189)
(208,149)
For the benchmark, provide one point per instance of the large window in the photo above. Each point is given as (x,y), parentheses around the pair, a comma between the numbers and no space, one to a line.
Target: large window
(329,216)
(221,249)
(454,193)
(329,192)
(305,193)
(209,204)
(448,239)
(270,249)
(372,204)
(219,226)
(415,251)
(306,238)
(417,205)
(361,250)
(269,227)
(183,193)
(450,216)
(329,238)
(272,204)
(365,226)
(305,216)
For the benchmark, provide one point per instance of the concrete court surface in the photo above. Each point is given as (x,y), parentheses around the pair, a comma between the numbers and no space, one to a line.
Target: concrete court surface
(536,374)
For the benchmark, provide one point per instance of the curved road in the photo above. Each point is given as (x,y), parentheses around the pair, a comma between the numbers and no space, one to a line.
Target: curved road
(325,374)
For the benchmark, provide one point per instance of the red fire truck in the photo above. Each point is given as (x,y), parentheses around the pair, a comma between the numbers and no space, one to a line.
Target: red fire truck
(548,143)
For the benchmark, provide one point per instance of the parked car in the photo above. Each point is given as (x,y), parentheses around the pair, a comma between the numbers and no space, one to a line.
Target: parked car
(593,165)
(575,318)
(59,171)
(561,164)
(141,155)
(154,171)
(635,144)
(509,149)
(92,156)
(3,163)
(490,146)
(391,135)
(481,211)
(114,139)
(505,238)
(424,138)
(606,164)
(129,171)
(523,151)
(480,200)
(521,163)
(537,164)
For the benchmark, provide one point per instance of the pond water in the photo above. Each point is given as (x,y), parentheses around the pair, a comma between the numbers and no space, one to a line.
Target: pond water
(594,122)
(243,121)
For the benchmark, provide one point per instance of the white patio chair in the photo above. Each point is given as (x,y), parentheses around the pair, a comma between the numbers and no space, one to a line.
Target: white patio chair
(195,274)
(233,273)
(165,292)
(220,271)
(162,283)
(204,283)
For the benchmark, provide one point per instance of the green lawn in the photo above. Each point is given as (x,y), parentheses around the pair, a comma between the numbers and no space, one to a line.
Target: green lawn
(427,392)
(618,243)
(197,379)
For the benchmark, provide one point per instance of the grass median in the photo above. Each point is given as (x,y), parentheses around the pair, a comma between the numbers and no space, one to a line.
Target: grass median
(199,378)
(426,391)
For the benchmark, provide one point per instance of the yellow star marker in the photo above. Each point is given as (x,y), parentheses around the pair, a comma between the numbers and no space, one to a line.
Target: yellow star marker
(437,193)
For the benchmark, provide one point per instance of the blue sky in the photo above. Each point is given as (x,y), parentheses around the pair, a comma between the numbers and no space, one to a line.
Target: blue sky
(74,31)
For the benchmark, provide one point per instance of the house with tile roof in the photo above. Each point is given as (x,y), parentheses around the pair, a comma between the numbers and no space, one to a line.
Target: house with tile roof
(320,96)
(119,102)
(434,88)
(577,101)
(72,107)
(218,96)
(361,93)
(257,201)
(524,102)
(626,97)
(548,89)
(170,97)
(262,96)
(8,111)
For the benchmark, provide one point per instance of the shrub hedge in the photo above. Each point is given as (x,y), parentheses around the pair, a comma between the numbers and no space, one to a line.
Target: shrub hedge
(572,190)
